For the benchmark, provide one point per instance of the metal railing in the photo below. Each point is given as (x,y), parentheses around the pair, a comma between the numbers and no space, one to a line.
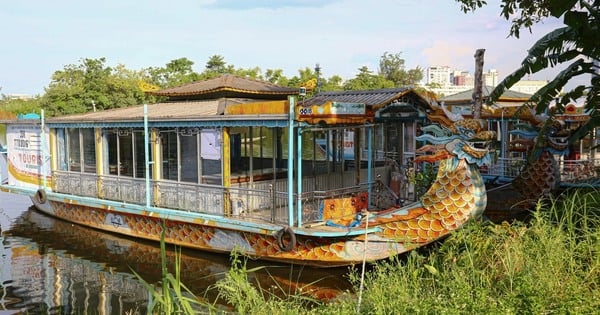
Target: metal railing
(263,200)
(504,167)
(573,171)
(267,205)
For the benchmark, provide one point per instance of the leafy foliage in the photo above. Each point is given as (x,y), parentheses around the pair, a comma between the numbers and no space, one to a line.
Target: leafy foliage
(392,67)
(92,85)
(575,46)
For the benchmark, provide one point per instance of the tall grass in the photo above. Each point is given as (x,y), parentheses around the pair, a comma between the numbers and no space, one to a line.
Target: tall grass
(172,296)
(551,264)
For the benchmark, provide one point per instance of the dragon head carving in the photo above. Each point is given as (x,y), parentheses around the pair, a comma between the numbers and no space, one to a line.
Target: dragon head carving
(541,134)
(457,137)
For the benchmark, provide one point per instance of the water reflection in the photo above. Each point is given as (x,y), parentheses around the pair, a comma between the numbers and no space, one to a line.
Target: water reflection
(51,266)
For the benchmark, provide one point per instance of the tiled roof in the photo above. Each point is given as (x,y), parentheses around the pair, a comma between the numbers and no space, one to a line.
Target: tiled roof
(159,111)
(374,98)
(227,86)
(467,96)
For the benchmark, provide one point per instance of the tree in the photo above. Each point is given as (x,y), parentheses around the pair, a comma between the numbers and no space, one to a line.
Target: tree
(334,83)
(366,80)
(91,85)
(392,68)
(276,76)
(176,72)
(575,44)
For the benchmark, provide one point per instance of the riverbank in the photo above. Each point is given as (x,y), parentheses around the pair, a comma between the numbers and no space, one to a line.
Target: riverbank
(551,264)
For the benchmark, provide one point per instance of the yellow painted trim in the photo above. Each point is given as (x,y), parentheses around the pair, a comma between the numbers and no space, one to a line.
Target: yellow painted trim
(99,155)
(53,156)
(226,169)
(271,107)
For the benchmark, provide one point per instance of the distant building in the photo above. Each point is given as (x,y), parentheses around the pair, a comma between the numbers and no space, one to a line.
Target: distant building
(438,75)
(490,78)
(19,96)
(528,86)
(452,81)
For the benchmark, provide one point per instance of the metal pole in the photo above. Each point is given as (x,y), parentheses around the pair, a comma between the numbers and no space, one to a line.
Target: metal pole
(370,161)
(43,143)
(299,177)
(146,158)
(290,164)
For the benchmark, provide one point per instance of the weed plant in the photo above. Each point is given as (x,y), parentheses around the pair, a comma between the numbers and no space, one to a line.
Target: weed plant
(548,265)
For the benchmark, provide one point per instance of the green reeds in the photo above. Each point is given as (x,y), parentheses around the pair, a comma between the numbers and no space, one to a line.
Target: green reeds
(248,298)
(549,265)
(172,297)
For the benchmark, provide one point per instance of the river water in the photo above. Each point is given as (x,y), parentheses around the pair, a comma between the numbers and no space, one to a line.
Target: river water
(51,266)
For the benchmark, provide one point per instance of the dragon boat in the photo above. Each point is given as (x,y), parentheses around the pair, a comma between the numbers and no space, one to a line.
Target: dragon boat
(542,139)
(244,175)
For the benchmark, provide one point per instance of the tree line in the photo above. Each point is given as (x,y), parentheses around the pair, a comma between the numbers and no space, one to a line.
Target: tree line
(92,85)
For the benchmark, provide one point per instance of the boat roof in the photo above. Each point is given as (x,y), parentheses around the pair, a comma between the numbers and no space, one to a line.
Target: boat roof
(227,86)
(466,97)
(374,98)
(192,113)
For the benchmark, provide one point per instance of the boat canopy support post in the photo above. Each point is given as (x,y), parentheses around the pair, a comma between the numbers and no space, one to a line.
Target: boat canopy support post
(146,157)
(43,147)
(299,177)
(370,162)
(291,101)
(226,170)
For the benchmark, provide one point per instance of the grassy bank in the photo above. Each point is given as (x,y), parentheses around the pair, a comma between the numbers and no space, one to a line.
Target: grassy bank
(550,264)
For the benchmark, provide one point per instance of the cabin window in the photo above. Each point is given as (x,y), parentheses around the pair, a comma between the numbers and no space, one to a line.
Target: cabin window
(61,149)
(188,153)
(139,154)
(170,169)
(188,141)
(126,154)
(125,151)
(408,143)
(81,150)
(74,150)
(379,143)
(88,147)
(210,153)
(111,154)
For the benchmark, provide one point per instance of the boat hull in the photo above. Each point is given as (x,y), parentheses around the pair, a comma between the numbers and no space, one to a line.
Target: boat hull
(201,234)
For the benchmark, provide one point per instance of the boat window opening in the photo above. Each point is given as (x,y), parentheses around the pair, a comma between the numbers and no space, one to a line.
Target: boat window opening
(379,142)
(211,153)
(409,144)
(62,150)
(140,154)
(74,150)
(125,152)
(170,168)
(88,147)
(188,144)
(111,151)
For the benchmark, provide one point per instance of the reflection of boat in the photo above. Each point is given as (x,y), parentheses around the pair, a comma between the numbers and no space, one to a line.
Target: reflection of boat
(46,275)
(3,166)
(188,176)
(199,271)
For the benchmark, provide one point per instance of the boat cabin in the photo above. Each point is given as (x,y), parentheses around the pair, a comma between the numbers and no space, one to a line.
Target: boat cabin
(234,147)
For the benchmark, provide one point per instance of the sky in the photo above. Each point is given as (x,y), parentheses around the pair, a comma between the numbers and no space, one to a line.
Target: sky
(40,37)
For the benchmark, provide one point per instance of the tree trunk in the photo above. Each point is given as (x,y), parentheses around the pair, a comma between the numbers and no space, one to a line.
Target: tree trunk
(477,91)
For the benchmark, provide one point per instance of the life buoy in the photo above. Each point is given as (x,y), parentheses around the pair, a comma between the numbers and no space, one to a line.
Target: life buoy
(40,196)
(289,234)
